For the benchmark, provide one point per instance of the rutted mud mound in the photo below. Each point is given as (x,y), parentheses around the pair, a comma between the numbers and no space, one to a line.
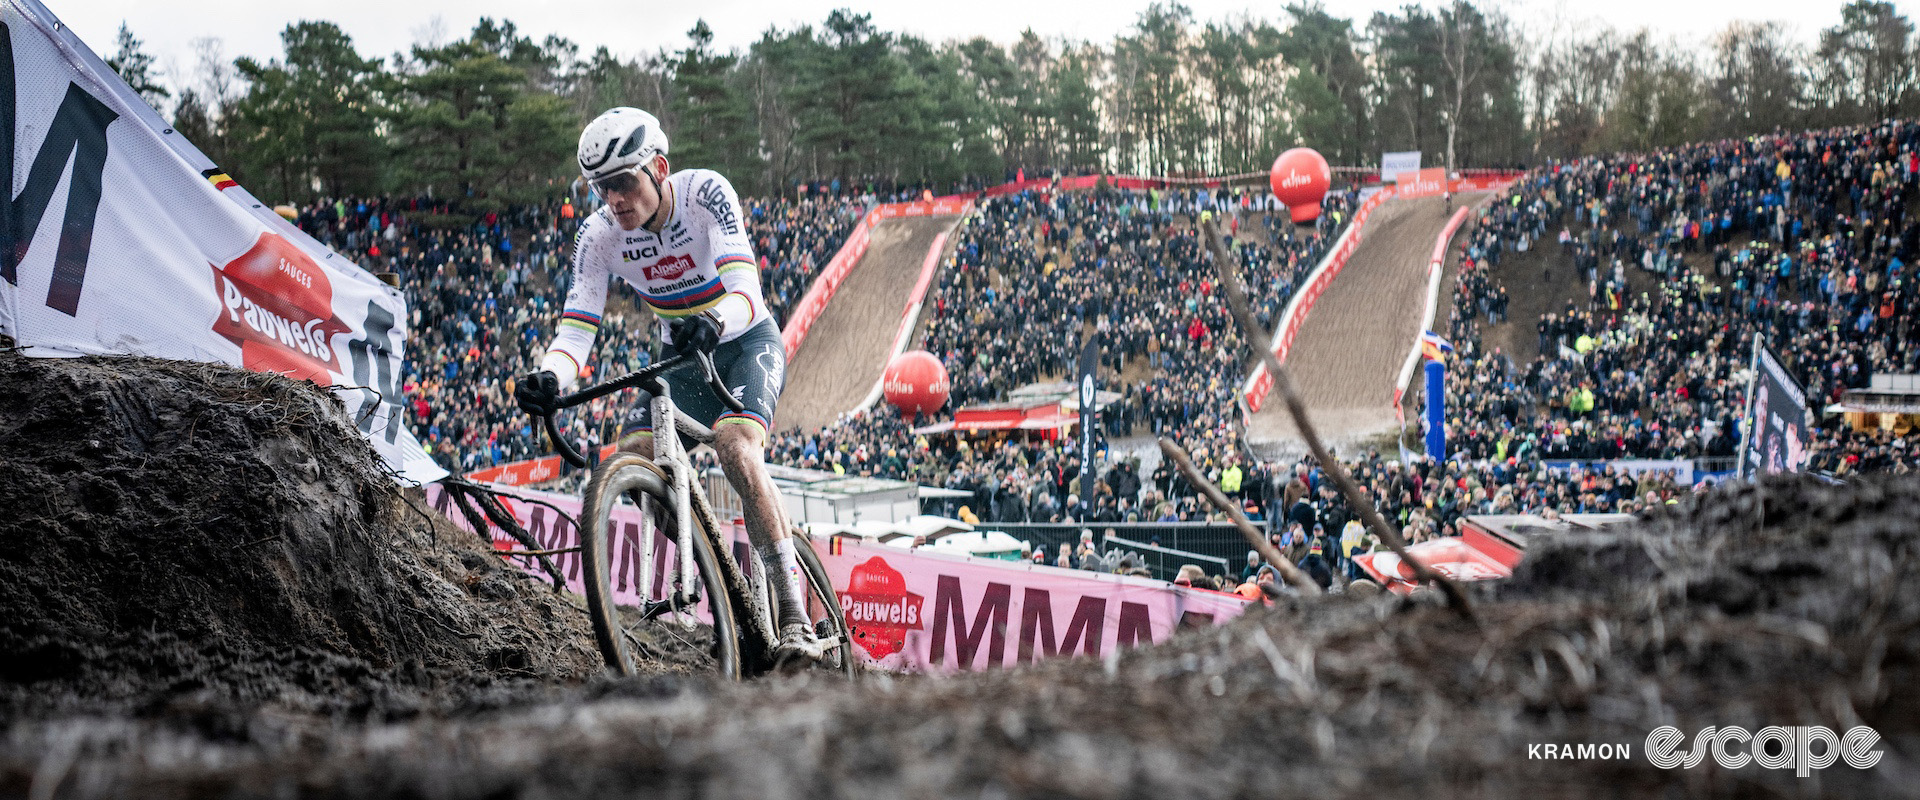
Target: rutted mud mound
(183,536)
(1788,603)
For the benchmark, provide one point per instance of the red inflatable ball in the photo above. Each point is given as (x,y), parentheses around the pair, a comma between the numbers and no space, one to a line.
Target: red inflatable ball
(1300,179)
(916,383)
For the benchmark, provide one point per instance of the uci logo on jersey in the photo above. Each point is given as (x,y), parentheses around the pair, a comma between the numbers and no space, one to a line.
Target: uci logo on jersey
(635,255)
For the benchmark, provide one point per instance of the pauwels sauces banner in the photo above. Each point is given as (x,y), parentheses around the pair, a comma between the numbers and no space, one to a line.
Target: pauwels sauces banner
(120,237)
(916,611)
(278,307)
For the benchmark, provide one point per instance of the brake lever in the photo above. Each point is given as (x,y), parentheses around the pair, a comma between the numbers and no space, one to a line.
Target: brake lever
(718,386)
(567,453)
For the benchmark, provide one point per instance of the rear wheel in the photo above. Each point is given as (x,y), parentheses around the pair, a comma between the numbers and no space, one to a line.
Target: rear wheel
(632,475)
(821,600)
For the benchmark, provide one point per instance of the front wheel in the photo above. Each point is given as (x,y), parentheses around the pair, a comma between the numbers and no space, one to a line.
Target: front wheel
(632,475)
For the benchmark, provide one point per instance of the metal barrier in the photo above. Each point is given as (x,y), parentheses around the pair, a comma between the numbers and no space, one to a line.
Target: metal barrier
(1165,562)
(1210,539)
(1715,464)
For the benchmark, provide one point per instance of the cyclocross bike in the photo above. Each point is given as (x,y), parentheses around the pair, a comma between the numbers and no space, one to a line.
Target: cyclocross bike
(666,491)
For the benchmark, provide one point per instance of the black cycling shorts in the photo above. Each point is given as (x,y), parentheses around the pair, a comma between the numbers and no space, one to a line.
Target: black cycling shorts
(754,368)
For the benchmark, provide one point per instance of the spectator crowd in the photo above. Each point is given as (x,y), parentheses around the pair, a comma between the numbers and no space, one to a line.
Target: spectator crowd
(1035,272)
(1802,241)
(1685,258)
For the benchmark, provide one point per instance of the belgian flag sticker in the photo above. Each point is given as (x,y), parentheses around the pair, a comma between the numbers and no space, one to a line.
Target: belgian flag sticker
(219,179)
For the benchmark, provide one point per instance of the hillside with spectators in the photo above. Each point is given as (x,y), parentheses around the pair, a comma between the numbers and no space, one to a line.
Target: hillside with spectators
(1804,239)
(1035,271)
(1680,257)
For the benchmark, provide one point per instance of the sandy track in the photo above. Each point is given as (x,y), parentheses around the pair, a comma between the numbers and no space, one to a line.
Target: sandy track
(1349,352)
(846,349)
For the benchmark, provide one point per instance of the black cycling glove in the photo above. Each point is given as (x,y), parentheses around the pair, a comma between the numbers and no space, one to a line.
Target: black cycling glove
(698,333)
(537,393)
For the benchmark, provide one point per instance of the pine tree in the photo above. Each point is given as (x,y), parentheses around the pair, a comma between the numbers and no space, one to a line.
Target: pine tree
(308,126)
(136,67)
(471,124)
(712,122)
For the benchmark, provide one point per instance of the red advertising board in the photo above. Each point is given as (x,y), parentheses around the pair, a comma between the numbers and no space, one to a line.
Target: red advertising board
(1423,183)
(1454,557)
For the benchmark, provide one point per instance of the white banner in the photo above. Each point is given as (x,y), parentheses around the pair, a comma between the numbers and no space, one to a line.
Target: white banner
(1392,164)
(120,237)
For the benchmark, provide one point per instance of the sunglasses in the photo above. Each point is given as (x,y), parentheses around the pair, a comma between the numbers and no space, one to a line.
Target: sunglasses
(621,182)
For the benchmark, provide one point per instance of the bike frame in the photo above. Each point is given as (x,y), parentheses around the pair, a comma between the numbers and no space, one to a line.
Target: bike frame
(690,503)
(670,453)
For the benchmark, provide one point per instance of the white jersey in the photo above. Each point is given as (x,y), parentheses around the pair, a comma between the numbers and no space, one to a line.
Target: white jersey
(700,261)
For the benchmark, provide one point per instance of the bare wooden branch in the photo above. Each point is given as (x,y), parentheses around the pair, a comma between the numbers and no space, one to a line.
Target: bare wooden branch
(1225,263)
(539,552)
(1293,574)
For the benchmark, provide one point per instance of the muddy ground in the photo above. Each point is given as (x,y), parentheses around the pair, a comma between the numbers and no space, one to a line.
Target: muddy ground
(207,589)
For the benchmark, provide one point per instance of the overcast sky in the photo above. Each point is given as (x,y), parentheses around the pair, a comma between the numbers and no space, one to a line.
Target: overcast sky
(383,27)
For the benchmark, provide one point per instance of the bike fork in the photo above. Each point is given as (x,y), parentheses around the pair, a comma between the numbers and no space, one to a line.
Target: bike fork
(668,450)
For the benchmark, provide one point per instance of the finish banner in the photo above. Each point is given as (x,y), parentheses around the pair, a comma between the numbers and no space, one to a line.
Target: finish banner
(121,238)
(910,610)
(1778,425)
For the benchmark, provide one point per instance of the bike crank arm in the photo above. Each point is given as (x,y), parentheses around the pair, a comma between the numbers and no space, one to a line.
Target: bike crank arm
(655,609)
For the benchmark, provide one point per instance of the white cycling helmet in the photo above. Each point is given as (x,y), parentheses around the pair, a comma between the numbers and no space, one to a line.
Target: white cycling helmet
(618,141)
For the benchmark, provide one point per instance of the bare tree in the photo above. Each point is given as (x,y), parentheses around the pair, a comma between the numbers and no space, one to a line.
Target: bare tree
(1867,69)
(215,72)
(1756,85)
(1464,32)
(431,34)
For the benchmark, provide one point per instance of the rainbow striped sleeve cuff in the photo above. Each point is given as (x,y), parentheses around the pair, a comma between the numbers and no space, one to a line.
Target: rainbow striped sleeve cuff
(575,318)
(745,417)
(733,261)
(569,357)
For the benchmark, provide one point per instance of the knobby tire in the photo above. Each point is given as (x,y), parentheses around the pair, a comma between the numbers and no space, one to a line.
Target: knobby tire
(631,474)
(820,590)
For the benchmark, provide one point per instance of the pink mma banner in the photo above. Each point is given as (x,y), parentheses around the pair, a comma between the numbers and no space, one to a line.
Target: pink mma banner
(910,610)
(917,611)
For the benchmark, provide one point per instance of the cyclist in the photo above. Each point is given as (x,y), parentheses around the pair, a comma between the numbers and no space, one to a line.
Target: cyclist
(680,240)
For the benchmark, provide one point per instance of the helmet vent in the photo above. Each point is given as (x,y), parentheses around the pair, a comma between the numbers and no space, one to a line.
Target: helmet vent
(633,140)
